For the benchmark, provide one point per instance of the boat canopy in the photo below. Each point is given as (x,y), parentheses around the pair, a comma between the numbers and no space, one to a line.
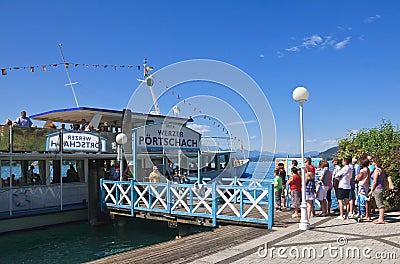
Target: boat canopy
(108,117)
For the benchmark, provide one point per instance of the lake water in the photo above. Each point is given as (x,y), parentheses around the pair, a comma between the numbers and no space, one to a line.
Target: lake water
(80,242)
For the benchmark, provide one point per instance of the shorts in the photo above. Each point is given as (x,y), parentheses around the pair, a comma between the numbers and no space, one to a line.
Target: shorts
(283,191)
(310,196)
(278,197)
(352,194)
(378,195)
(295,198)
(343,194)
(322,190)
(329,195)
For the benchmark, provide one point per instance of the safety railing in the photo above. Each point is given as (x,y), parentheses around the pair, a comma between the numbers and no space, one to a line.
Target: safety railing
(241,201)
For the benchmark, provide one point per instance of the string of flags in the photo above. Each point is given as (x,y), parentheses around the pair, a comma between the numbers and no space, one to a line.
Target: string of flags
(4,71)
(200,112)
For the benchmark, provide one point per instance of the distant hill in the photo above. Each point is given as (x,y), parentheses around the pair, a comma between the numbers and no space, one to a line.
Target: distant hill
(328,154)
(311,154)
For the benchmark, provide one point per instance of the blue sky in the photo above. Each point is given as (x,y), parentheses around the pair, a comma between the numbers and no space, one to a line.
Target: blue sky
(344,52)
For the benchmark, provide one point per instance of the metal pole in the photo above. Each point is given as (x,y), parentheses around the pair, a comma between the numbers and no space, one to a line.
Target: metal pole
(11,160)
(61,164)
(121,164)
(304,222)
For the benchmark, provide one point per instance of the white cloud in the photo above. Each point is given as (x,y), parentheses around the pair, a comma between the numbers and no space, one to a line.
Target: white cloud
(253,137)
(372,19)
(329,41)
(200,128)
(311,140)
(342,44)
(293,49)
(261,56)
(313,41)
(241,122)
(329,142)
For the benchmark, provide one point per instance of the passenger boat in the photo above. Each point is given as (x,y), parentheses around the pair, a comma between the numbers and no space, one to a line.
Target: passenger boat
(36,187)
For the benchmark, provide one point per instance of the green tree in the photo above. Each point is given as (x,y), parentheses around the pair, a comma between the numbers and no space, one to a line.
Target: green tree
(383,142)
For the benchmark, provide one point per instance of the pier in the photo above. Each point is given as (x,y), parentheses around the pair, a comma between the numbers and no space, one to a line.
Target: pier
(196,246)
(349,240)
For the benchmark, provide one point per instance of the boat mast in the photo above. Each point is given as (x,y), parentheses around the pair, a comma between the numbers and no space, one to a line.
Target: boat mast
(69,77)
(150,82)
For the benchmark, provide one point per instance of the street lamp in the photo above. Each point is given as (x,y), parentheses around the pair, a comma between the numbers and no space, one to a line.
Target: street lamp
(300,95)
(121,139)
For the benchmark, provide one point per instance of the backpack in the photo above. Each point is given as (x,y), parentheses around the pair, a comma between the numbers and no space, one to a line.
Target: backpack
(387,182)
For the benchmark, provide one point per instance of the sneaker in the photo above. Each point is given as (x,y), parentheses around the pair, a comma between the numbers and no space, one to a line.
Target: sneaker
(294,216)
(351,216)
(340,218)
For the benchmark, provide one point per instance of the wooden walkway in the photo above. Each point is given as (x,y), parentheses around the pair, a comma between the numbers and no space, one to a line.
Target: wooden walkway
(192,247)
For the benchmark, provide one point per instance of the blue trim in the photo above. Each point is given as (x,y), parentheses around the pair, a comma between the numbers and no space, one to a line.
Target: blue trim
(214,204)
(76,109)
(270,206)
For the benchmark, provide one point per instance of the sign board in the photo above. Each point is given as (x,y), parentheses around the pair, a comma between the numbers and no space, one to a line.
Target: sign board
(76,141)
(167,136)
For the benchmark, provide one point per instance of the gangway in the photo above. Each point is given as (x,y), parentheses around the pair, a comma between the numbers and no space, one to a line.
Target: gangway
(226,200)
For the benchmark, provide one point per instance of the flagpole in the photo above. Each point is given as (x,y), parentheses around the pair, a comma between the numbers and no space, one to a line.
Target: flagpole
(69,77)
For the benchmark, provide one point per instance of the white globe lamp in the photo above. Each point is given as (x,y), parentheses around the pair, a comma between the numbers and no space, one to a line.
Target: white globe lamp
(300,95)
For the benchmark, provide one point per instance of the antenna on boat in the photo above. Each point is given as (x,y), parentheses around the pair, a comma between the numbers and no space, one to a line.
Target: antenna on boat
(69,77)
(148,79)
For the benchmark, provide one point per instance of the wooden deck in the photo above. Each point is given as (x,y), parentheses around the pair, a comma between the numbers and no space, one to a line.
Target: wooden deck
(192,247)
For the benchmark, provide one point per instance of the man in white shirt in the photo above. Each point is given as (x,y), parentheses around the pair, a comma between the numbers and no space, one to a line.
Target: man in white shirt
(344,177)
(23,120)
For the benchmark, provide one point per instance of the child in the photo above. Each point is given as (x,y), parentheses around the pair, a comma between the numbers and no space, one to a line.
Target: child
(277,189)
(295,187)
(361,203)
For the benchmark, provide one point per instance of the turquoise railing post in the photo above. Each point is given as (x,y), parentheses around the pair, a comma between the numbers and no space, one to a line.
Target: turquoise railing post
(191,199)
(132,198)
(102,196)
(117,198)
(150,195)
(241,205)
(214,203)
(270,205)
(235,183)
(169,202)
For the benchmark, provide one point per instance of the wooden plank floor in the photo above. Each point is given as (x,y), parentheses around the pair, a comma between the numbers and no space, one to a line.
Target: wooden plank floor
(192,247)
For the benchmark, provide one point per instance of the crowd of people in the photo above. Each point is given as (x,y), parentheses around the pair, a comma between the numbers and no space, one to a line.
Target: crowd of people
(24,121)
(357,185)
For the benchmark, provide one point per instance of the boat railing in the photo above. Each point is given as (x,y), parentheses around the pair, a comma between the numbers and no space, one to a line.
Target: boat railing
(231,202)
(40,197)
(218,144)
(34,139)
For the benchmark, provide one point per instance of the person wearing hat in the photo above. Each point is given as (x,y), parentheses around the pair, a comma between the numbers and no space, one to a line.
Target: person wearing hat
(155,175)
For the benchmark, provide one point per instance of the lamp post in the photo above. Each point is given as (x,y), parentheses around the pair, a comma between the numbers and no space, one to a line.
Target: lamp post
(121,139)
(300,95)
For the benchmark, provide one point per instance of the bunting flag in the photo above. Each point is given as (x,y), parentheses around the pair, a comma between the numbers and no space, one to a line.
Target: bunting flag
(5,71)
(196,109)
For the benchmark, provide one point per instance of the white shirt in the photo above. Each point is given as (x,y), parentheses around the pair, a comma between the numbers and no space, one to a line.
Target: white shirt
(344,177)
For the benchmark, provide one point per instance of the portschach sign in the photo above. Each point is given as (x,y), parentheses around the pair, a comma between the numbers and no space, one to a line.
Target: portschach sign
(75,141)
(167,136)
